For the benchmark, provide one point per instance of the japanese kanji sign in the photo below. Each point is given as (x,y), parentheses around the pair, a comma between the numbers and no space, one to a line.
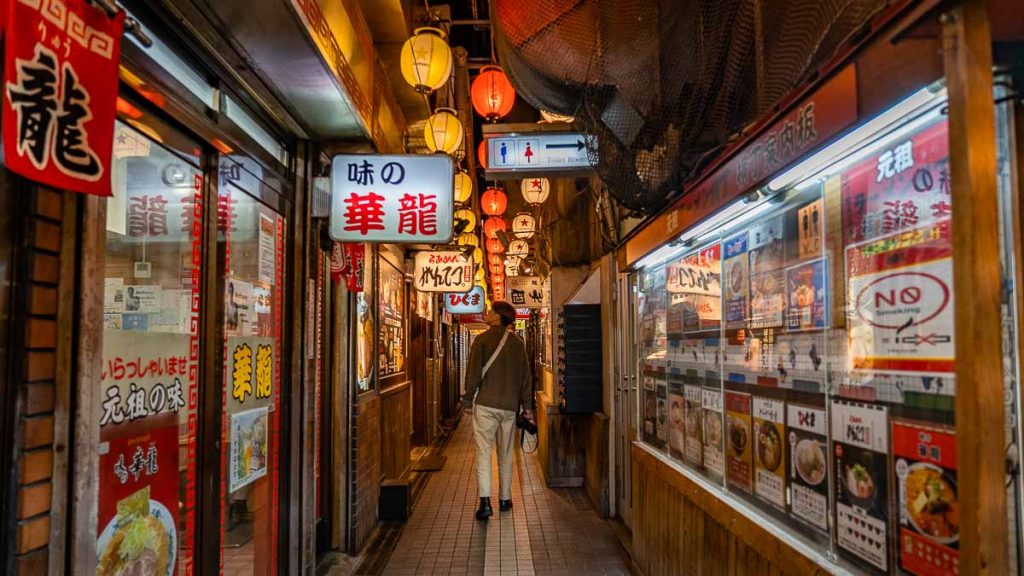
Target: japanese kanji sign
(525,291)
(395,199)
(447,271)
(60,93)
(471,302)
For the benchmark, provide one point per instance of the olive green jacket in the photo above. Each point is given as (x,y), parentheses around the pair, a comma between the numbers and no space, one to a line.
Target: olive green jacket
(508,384)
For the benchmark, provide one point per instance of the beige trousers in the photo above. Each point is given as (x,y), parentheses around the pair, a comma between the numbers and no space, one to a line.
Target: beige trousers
(490,424)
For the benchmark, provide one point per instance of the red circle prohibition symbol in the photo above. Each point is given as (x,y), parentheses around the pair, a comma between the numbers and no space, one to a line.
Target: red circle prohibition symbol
(916,294)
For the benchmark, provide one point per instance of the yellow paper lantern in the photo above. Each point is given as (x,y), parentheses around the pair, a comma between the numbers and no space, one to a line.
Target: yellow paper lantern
(426,60)
(467,239)
(478,256)
(463,187)
(443,131)
(480,274)
(468,215)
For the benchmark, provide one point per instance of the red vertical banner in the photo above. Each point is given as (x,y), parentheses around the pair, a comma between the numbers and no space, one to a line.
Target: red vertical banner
(337,262)
(60,93)
(355,263)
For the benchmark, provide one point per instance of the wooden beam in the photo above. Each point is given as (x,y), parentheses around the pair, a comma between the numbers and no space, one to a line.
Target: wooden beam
(967,47)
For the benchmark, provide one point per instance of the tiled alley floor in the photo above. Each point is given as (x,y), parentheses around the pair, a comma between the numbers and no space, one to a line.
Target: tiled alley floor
(547,532)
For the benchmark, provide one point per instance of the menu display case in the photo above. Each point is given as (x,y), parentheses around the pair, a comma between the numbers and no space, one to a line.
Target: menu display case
(796,348)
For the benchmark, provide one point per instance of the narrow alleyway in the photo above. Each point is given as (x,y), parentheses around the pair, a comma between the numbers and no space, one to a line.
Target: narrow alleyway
(549,531)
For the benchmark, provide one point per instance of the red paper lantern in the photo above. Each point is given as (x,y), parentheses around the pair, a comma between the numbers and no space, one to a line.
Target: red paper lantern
(481,154)
(492,93)
(494,225)
(494,202)
(495,259)
(497,271)
(494,246)
(499,292)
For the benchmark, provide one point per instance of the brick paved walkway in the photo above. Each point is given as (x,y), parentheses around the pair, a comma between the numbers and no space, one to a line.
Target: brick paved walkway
(548,531)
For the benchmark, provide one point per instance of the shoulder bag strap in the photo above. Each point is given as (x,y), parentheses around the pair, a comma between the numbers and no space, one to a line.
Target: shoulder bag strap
(495,355)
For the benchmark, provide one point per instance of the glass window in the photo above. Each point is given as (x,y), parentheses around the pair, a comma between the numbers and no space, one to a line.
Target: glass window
(796,349)
(254,238)
(170,61)
(251,127)
(149,384)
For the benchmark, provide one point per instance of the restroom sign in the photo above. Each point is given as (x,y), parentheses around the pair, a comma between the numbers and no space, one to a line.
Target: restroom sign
(538,152)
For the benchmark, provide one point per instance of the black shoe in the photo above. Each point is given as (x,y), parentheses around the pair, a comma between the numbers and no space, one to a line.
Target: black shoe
(485,510)
(504,505)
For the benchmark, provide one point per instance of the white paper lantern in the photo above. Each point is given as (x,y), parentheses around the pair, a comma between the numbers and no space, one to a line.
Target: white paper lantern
(536,190)
(524,225)
(518,248)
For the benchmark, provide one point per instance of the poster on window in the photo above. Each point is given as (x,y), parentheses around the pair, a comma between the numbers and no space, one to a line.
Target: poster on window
(60,93)
(694,283)
(860,435)
(739,450)
(247,461)
(807,431)
(799,361)
(805,291)
(267,254)
(142,377)
(693,414)
(142,299)
(391,351)
(676,410)
(251,366)
(736,280)
(239,312)
(810,227)
(767,278)
(711,405)
(900,292)
(661,428)
(138,497)
(364,342)
(903,187)
(770,451)
(928,502)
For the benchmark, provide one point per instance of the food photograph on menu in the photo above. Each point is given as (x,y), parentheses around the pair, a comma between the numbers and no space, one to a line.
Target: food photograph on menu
(738,443)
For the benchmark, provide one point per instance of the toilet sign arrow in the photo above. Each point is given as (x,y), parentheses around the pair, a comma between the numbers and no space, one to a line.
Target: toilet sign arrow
(538,153)
(578,145)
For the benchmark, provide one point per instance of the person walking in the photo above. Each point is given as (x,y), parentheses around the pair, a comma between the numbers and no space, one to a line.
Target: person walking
(499,384)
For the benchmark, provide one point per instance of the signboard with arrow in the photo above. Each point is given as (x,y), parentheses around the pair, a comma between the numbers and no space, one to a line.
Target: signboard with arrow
(538,153)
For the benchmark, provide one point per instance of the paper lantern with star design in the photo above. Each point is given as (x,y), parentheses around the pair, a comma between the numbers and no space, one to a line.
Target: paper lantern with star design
(426,60)
(518,248)
(536,190)
(524,225)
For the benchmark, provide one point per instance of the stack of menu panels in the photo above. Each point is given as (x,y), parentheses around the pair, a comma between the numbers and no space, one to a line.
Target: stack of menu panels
(580,369)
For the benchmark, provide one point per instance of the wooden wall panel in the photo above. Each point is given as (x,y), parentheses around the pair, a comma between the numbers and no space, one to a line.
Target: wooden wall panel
(679,528)
(561,444)
(596,462)
(366,476)
(396,429)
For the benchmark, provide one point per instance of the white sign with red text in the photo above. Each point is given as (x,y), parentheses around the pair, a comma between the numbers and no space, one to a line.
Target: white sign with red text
(445,271)
(403,199)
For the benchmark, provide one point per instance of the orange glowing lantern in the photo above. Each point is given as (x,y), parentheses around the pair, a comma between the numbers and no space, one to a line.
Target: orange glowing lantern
(492,93)
(493,225)
(493,259)
(481,154)
(494,246)
(497,270)
(494,202)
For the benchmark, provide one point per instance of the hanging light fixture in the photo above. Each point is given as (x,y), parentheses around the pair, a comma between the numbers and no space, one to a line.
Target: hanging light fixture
(518,248)
(443,131)
(426,60)
(463,187)
(535,190)
(494,201)
(493,225)
(468,215)
(492,93)
(467,239)
(494,246)
(524,225)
